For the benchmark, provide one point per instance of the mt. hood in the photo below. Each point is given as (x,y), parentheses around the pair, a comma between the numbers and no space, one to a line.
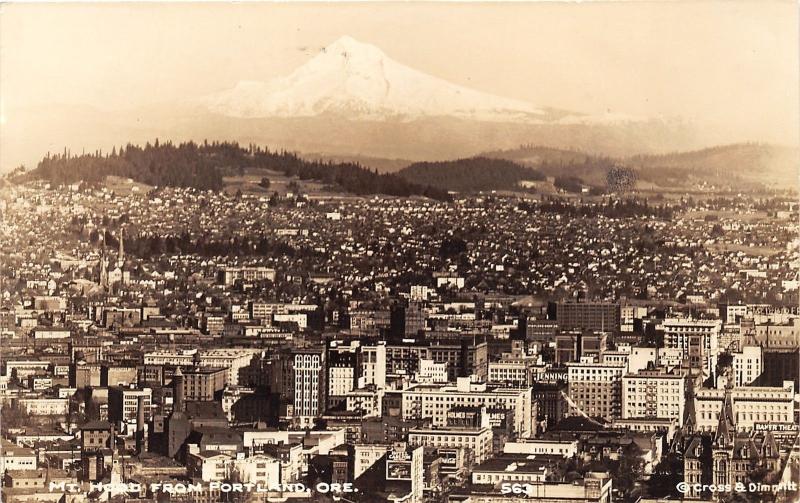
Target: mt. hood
(350,99)
(359,81)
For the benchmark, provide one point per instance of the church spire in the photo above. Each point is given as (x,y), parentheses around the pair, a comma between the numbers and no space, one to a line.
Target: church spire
(689,412)
(121,255)
(103,265)
(726,428)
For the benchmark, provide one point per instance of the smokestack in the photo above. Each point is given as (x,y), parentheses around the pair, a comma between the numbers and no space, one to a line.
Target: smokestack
(140,425)
(177,390)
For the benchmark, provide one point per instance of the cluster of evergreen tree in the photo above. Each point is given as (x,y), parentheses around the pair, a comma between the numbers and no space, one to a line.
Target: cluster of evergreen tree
(202,166)
(185,165)
(155,246)
(611,208)
(452,247)
(620,179)
(470,175)
(568,183)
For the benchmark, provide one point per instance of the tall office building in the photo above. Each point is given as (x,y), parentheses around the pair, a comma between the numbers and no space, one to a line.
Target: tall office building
(309,384)
(373,366)
(696,340)
(343,366)
(747,365)
(597,316)
(408,321)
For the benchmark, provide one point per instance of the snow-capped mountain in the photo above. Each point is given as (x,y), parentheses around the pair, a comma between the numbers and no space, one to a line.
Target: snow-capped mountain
(352,99)
(359,81)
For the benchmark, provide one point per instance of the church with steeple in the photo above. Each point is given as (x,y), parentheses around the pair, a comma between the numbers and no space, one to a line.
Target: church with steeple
(104,270)
(119,275)
(730,456)
(731,452)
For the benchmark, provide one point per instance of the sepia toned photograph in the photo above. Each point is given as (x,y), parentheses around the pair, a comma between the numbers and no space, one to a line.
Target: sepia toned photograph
(400,252)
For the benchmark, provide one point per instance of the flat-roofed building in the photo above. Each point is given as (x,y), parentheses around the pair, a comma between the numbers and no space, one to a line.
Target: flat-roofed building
(594,488)
(366,455)
(95,436)
(596,316)
(772,335)
(550,399)
(512,469)
(747,365)
(596,388)
(433,401)
(229,275)
(654,393)
(677,332)
(51,333)
(123,403)
(24,368)
(513,371)
(697,341)
(45,406)
(15,457)
(477,439)
(309,383)
(563,448)
(204,384)
(465,356)
(752,405)
(232,359)
(373,366)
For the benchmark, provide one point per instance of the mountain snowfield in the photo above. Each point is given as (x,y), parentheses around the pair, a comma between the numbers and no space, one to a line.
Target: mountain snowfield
(358,81)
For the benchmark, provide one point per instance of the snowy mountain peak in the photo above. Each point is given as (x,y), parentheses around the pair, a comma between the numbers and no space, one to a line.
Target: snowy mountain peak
(358,81)
(350,48)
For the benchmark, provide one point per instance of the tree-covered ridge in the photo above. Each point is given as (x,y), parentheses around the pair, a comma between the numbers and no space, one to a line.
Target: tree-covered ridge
(201,166)
(185,165)
(470,175)
(741,165)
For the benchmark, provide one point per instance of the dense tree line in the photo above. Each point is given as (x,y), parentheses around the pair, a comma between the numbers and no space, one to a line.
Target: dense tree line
(568,183)
(470,175)
(202,166)
(611,208)
(155,246)
(185,165)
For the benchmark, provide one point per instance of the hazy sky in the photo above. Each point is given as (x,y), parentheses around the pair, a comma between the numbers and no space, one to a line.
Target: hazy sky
(730,63)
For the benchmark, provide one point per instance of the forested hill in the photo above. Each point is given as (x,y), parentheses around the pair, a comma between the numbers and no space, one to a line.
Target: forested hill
(201,166)
(743,166)
(470,175)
